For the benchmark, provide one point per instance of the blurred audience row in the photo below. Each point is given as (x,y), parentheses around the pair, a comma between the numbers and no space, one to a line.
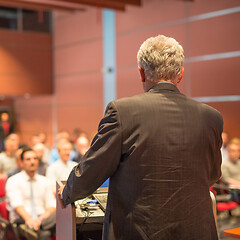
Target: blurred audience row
(55,163)
(32,172)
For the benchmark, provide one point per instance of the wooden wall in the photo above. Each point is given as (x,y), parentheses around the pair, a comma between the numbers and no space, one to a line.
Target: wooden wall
(210,35)
(208,30)
(25,63)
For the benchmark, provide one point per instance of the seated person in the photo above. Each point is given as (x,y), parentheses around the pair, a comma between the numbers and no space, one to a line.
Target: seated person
(54,154)
(231,167)
(19,163)
(43,139)
(61,169)
(39,148)
(82,145)
(224,149)
(31,202)
(8,158)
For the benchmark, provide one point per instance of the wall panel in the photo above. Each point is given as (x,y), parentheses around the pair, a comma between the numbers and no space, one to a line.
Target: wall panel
(78,27)
(34,115)
(203,27)
(75,59)
(77,89)
(78,76)
(215,78)
(214,35)
(230,112)
(26,63)
(85,117)
(197,7)
(152,14)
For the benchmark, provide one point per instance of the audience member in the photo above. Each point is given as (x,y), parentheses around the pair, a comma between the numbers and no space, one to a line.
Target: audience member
(75,135)
(54,154)
(231,167)
(43,140)
(60,169)
(14,137)
(236,141)
(2,137)
(31,202)
(35,139)
(19,163)
(42,166)
(82,145)
(41,137)
(8,158)
(5,123)
(224,149)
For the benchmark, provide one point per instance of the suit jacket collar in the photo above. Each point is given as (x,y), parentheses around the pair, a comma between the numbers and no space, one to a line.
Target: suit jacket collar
(163,86)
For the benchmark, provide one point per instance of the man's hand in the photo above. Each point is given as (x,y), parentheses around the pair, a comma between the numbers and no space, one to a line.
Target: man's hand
(44,215)
(34,223)
(60,191)
(60,196)
(47,213)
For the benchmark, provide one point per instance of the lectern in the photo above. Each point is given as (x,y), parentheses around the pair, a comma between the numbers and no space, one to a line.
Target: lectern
(65,219)
(79,217)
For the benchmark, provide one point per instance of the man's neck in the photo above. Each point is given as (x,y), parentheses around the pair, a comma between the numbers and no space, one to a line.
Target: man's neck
(30,174)
(147,85)
(9,153)
(65,162)
(233,161)
(167,81)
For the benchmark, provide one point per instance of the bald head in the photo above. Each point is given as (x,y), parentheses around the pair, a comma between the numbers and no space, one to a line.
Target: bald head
(82,144)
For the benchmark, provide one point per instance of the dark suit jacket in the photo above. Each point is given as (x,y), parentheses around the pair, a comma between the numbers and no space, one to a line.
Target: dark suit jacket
(161,151)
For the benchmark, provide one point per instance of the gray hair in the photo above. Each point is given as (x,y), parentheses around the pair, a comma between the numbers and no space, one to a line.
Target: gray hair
(161,58)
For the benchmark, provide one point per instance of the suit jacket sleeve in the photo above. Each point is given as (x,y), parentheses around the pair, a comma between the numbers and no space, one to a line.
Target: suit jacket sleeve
(216,173)
(100,162)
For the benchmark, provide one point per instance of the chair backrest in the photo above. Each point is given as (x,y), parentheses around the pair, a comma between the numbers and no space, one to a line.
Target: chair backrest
(8,230)
(3,210)
(2,186)
(214,206)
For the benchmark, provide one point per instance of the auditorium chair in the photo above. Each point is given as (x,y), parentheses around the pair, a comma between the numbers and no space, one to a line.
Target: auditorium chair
(3,210)
(214,208)
(2,187)
(8,231)
(223,197)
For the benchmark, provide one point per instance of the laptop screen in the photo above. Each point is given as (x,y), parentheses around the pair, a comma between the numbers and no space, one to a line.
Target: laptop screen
(105,184)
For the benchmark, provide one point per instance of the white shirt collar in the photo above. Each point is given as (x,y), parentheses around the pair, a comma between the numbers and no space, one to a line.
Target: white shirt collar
(26,176)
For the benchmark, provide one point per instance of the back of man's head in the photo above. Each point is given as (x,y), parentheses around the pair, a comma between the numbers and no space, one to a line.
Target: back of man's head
(161,58)
(82,144)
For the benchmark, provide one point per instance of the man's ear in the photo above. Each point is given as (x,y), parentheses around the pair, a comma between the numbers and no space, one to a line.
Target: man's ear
(142,74)
(181,75)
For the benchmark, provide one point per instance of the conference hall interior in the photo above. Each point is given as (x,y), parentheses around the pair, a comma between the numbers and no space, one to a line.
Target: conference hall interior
(63,61)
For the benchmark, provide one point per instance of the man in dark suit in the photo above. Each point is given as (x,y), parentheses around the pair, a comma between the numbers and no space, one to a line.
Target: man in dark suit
(161,151)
